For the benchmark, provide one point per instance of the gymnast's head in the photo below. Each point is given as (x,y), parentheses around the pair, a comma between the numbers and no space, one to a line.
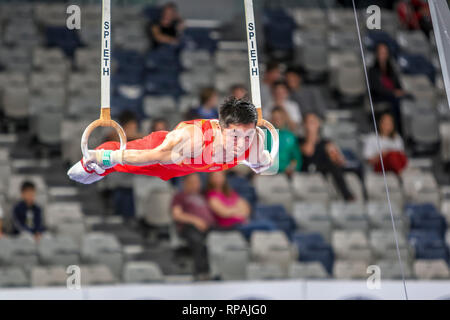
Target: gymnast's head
(238,118)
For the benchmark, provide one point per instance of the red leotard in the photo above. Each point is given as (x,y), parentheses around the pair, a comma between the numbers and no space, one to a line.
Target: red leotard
(168,171)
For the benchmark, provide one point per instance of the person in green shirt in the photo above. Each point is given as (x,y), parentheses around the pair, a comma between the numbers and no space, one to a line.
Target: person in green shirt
(289,155)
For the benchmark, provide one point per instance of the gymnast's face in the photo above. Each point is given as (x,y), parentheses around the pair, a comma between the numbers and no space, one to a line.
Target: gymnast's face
(237,138)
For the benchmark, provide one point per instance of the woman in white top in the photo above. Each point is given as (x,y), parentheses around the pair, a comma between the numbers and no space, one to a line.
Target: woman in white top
(280,98)
(392,147)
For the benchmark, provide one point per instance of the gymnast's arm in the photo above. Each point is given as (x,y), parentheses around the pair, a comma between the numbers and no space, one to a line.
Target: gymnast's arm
(184,142)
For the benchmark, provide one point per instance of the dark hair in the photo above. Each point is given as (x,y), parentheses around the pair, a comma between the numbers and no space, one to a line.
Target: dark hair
(277,109)
(206,94)
(272,65)
(237,111)
(126,117)
(156,120)
(226,189)
(297,70)
(27,185)
(238,86)
(389,67)
(280,83)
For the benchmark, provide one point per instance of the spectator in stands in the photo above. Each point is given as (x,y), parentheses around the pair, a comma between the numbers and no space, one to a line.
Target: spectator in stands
(392,147)
(289,155)
(323,155)
(159,124)
(271,75)
(280,94)
(193,218)
(27,215)
(129,122)
(414,15)
(169,29)
(239,91)
(229,208)
(302,96)
(384,83)
(209,101)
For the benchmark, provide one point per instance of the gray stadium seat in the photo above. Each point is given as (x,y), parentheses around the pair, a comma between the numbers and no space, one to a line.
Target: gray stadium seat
(102,248)
(420,187)
(15,59)
(159,106)
(307,270)
(313,216)
(274,190)
(13,277)
(349,216)
(142,272)
(87,59)
(390,269)
(310,19)
(23,253)
(419,86)
(16,102)
(344,269)
(58,250)
(431,270)
(351,245)
(271,247)
(50,59)
(384,246)
(380,217)
(376,189)
(156,208)
(228,255)
(48,129)
(444,133)
(97,274)
(6,248)
(264,271)
(48,276)
(310,187)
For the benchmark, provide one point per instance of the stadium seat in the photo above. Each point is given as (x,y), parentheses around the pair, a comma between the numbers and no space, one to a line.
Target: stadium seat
(344,269)
(431,270)
(307,270)
(414,42)
(312,247)
(420,187)
(271,247)
(228,255)
(48,276)
(379,215)
(384,246)
(142,272)
(277,215)
(351,245)
(264,271)
(104,249)
(376,189)
(58,251)
(156,208)
(425,216)
(313,217)
(13,277)
(310,19)
(97,274)
(349,216)
(310,187)
(23,251)
(391,269)
(274,189)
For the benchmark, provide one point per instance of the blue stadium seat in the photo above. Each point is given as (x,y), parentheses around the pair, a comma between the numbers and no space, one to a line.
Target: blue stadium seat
(61,37)
(164,58)
(373,37)
(152,13)
(276,214)
(312,247)
(416,64)
(199,39)
(258,225)
(162,83)
(428,245)
(426,217)
(278,29)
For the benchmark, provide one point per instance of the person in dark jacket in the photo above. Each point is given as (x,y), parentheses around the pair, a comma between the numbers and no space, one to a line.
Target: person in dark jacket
(27,215)
(385,84)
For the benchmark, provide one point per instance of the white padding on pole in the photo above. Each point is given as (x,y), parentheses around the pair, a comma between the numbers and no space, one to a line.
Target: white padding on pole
(105,64)
(252,53)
